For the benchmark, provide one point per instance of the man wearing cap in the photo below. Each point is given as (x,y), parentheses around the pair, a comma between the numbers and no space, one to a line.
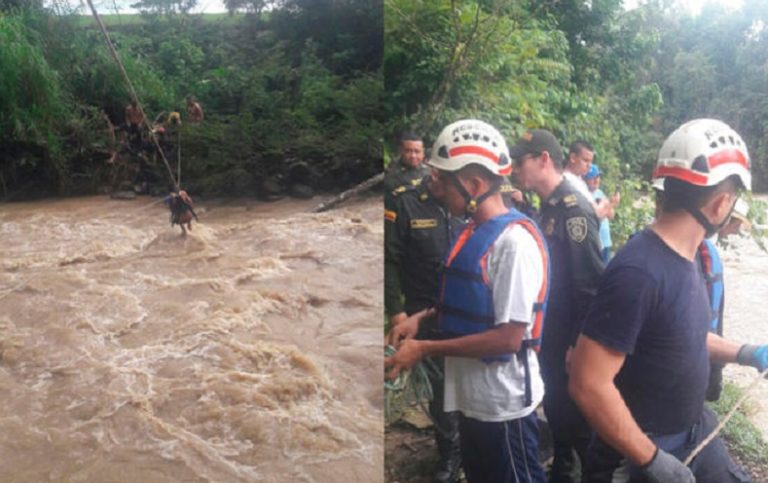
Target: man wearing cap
(409,169)
(571,229)
(492,300)
(592,178)
(640,369)
(418,231)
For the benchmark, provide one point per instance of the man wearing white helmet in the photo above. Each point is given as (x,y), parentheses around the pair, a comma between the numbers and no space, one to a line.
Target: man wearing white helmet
(492,301)
(641,366)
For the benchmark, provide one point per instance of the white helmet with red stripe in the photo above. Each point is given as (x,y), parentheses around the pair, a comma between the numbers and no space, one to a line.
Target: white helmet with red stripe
(470,141)
(704,152)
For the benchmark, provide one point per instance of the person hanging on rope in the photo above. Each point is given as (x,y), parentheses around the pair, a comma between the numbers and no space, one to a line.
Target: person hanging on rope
(134,123)
(640,369)
(182,210)
(492,301)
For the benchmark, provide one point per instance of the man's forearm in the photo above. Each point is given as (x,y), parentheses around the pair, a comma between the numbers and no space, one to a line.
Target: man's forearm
(721,350)
(591,385)
(604,408)
(502,339)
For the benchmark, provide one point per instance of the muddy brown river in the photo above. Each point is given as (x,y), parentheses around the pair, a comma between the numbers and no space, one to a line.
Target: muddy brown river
(249,350)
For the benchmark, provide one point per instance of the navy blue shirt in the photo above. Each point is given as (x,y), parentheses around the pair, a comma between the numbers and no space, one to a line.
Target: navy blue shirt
(652,305)
(570,226)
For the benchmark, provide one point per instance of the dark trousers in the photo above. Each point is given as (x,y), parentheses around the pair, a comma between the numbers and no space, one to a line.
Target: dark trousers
(446,423)
(712,465)
(501,452)
(570,431)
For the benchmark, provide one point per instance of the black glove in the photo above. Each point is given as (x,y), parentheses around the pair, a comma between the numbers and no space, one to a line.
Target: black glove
(665,468)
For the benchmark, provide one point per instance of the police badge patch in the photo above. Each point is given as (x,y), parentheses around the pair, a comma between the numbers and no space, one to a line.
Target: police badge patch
(577,228)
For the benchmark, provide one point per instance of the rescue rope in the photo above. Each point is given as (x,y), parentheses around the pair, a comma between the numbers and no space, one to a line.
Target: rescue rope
(725,420)
(178,157)
(148,205)
(131,90)
(409,386)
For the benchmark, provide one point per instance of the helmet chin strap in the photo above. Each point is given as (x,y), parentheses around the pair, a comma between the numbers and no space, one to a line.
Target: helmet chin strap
(709,228)
(473,203)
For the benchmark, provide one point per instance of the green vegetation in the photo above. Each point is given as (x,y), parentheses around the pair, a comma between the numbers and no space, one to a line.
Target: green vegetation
(739,432)
(299,85)
(583,69)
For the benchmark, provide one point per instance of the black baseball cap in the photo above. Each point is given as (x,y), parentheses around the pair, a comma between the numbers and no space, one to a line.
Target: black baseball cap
(536,141)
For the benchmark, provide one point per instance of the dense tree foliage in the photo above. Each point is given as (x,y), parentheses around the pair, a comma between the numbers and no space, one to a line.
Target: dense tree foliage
(716,65)
(284,81)
(583,69)
(300,84)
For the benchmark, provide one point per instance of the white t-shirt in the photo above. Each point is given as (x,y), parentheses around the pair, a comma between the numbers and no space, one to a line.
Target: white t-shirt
(579,184)
(496,391)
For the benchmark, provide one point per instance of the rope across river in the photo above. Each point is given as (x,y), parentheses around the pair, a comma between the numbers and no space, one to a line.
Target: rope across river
(133,94)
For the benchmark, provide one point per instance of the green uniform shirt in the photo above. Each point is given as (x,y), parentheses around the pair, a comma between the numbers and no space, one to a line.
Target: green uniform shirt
(398,174)
(418,232)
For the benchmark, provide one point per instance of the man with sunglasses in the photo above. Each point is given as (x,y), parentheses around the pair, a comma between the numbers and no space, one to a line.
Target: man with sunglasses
(571,228)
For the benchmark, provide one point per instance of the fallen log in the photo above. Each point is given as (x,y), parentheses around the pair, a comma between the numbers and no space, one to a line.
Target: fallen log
(365,185)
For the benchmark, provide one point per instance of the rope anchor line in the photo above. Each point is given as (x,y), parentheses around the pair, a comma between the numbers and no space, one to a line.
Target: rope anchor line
(133,94)
(725,420)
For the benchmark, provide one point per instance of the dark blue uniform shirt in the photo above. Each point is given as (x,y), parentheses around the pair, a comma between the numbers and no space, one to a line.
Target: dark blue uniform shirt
(571,229)
(652,305)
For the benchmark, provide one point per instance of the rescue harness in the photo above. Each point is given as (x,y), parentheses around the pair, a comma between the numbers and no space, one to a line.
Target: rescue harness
(713,274)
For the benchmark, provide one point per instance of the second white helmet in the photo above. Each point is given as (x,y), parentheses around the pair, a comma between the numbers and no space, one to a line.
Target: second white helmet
(704,152)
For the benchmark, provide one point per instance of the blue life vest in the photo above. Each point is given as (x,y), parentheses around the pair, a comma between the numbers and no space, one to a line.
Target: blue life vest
(712,267)
(466,300)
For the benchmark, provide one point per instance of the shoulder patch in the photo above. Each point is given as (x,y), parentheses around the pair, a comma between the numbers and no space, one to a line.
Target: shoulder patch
(576,228)
(390,215)
(399,189)
(570,200)
(420,223)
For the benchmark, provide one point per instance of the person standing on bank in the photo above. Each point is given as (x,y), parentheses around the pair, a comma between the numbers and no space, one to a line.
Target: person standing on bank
(134,122)
(593,178)
(194,111)
(581,155)
(571,229)
(418,231)
(409,169)
(640,369)
(493,298)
